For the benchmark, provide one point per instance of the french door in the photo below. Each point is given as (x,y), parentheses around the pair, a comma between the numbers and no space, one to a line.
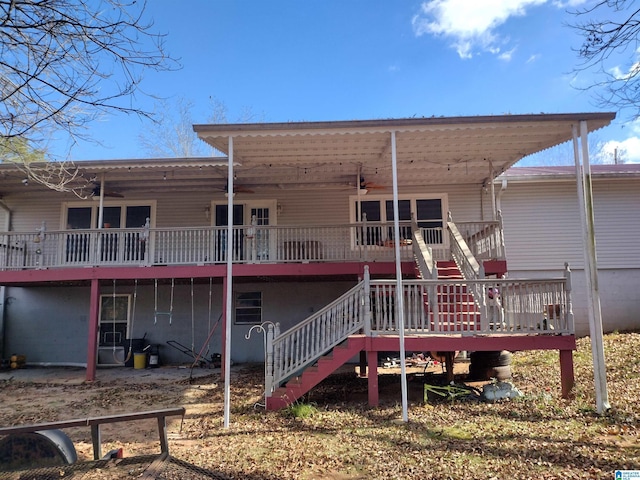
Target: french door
(251,241)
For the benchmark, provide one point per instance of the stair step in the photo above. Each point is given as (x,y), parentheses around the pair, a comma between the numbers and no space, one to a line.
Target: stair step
(313,375)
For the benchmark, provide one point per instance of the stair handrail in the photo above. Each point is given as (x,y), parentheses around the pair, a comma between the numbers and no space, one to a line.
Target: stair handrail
(301,345)
(469,267)
(422,253)
(426,266)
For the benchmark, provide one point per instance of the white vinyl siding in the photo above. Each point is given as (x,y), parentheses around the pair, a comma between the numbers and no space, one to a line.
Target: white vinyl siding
(542,226)
(295,206)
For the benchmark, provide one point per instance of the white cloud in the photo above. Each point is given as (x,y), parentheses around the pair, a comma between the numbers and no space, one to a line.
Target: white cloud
(569,3)
(626,151)
(506,56)
(469,24)
(619,74)
(533,58)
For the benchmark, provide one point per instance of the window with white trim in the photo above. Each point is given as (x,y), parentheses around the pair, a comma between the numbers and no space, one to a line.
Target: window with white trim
(378,213)
(106,246)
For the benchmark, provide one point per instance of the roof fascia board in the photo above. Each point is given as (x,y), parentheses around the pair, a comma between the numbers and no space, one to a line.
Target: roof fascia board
(118,164)
(563,177)
(398,125)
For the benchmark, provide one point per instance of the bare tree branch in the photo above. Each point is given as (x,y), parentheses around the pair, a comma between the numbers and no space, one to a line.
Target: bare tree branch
(610,47)
(62,62)
(172,135)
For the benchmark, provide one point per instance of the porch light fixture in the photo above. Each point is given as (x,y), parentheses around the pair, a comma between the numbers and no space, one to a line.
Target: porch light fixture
(164,176)
(207,212)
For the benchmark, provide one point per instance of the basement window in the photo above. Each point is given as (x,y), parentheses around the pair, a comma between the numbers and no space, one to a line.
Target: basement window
(248,308)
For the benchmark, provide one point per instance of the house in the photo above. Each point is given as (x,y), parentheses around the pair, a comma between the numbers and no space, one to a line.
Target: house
(542,229)
(295,229)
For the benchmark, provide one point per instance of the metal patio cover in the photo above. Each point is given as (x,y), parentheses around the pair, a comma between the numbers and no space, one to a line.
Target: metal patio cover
(434,150)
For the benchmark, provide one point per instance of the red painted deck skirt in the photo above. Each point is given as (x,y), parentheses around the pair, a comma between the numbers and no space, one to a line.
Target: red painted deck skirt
(565,344)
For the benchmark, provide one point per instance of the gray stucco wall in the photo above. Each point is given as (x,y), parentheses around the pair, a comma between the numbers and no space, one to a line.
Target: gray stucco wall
(50,325)
(47,324)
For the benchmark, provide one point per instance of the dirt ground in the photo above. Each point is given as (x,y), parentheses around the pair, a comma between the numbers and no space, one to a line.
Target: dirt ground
(331,434)
(37,395)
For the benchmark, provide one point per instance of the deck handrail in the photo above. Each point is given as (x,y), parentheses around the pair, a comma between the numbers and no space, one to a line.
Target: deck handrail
(540,306)
(302,344)
(431,307)
(485,239)
(462,255)
(422,253)
(202,245)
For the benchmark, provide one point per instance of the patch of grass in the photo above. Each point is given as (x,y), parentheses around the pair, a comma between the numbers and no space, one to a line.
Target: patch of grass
(300,410)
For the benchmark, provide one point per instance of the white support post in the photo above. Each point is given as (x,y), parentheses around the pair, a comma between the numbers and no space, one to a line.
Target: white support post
(585,198)
(229,249)
(492,186)
(268,377)
(367,301)
(399,286)
(569,307)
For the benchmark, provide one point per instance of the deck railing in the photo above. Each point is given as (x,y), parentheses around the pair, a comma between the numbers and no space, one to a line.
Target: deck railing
(372,241)
(507,306)
(485,239)
(431,307)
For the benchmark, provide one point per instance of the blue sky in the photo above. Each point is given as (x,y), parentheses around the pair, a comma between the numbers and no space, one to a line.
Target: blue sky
(362,59)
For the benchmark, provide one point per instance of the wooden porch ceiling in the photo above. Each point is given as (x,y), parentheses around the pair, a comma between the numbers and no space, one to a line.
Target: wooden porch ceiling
(436,150)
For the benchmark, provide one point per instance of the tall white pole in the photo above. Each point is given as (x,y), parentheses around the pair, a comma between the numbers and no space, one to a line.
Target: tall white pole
(101,204)
(229,249)
(585,198)
(399,286)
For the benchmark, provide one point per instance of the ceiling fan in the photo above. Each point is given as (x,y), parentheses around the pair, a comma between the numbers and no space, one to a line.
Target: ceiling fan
(364,185)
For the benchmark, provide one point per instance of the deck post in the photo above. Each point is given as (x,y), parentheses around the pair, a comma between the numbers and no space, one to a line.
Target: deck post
(567,378)
(92,341)
(268,376)
(372,377)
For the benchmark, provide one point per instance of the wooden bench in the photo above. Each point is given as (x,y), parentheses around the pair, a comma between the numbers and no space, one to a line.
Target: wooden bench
(95,422)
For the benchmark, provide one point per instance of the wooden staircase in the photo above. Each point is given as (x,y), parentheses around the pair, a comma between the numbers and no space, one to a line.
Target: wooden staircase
(457,312)
(313,375)
(456,305)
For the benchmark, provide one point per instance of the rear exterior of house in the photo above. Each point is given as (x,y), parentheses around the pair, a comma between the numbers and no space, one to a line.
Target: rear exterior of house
(316,257)
(542,229)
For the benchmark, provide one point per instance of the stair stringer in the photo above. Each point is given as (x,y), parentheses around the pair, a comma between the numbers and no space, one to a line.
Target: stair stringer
(327,364)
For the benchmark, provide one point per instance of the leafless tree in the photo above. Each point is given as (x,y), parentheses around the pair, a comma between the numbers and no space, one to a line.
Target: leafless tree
(63,63)
(610,46)
(172,135)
